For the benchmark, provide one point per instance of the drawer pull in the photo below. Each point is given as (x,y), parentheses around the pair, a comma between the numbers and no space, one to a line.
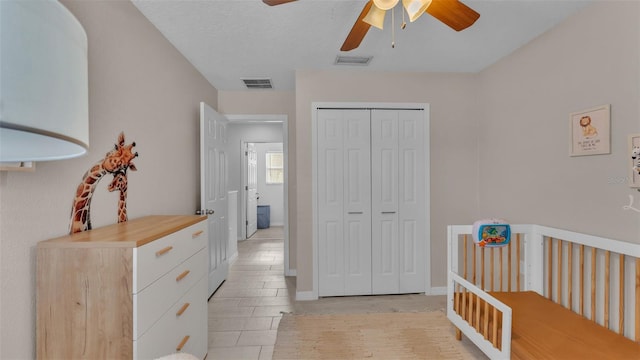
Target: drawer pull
(182,343)
(196,234)
(163,251)
(182,309)
(183,275)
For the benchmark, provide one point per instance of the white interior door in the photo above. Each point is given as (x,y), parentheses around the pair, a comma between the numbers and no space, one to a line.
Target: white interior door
(412,201)
(213,191)
(384,216)
(252,189)
(344,205)
(399,204)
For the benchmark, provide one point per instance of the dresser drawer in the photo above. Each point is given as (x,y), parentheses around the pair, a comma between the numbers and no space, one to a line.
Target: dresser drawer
(153,260)
(186,318)
(150,303)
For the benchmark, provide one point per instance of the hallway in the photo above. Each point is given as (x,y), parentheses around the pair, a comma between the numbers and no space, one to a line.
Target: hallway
(245,311)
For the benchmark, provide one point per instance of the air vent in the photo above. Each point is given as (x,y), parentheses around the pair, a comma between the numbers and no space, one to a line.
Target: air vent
(353,60)
(264,83)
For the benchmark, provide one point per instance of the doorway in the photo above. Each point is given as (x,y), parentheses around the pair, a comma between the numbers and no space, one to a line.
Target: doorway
(257,129)
(264,186)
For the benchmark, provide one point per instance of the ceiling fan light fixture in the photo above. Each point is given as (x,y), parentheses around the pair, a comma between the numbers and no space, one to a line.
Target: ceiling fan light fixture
(415,8)
(375,17)
(385,4)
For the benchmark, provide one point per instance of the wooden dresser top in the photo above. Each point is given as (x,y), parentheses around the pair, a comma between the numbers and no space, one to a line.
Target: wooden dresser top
(132,233)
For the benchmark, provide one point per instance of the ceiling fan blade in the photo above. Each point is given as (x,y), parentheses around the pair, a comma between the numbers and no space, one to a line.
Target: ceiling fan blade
(358,31)
(453,13)
(276,2)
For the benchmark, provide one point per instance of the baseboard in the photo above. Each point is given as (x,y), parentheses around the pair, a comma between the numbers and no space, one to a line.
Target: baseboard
(233,258)
(305,296)
(440,290)
(290,272)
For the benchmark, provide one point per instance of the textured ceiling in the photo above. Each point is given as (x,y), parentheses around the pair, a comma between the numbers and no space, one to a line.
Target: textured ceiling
(227,40)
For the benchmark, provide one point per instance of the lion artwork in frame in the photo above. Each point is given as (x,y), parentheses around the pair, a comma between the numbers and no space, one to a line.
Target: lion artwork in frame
(591,131)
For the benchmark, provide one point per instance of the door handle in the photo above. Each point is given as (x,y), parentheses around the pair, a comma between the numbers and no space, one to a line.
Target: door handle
(204,212)
(388,212)
(355,212)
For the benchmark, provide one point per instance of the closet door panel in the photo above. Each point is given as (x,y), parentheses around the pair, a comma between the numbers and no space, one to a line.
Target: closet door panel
(357,206)
(384,205)
(412,207)
(330,174)
(344,197)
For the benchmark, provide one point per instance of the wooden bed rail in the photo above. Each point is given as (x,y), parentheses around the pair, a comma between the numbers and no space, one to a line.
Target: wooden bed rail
(478,311)
(595,277)
(576,274)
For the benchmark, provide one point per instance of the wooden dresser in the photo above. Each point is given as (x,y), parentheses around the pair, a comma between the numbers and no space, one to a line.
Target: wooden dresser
(132,290)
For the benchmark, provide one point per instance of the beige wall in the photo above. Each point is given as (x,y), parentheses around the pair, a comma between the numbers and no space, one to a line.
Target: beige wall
(526,174)
(139,84)
(271,102)
(499,139)
(453,120)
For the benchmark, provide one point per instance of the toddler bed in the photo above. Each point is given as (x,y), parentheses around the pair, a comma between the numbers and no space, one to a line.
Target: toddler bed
(549,294)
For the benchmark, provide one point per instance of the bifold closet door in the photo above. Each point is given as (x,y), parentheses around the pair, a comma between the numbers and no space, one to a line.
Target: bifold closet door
(344,202)
(399,208)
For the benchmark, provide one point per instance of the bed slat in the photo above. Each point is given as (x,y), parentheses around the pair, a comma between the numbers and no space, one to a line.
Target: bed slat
(492,266)
(607,264)
(550,270)
(593,283)
(494,331)
(501,269)
(482,269)
(473,266)
(570,274)
(559,272)
(518,262)
(478,304)
(464,262)
(509,266)
(582,280)
(638,299)
(485,328)
(621,297)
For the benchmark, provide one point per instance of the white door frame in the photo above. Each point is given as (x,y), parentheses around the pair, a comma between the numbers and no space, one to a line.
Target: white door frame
(315,106)
(262,119)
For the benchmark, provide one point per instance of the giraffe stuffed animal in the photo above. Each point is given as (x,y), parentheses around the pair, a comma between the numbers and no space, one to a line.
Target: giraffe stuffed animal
(115,161)
(119,183)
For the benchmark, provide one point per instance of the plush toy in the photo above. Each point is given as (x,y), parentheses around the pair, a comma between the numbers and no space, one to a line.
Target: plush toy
(635,156)
(491,233)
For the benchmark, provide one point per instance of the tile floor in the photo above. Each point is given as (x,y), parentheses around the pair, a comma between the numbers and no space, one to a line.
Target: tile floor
(245,311)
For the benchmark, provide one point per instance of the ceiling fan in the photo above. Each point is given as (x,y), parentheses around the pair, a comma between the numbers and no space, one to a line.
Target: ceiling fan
(452,13)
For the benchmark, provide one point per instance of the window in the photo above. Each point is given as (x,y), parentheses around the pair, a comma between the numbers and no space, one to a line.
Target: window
(275,168)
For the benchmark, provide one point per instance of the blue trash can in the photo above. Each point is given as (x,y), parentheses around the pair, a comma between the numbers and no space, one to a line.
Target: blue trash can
(264,216)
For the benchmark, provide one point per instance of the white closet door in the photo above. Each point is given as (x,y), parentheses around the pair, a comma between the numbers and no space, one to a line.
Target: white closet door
(357,202)
(344,212)
(399,206)
(384,207)
(412,204)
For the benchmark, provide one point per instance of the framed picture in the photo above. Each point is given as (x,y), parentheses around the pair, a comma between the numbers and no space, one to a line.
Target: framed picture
(591,131)
(634,160)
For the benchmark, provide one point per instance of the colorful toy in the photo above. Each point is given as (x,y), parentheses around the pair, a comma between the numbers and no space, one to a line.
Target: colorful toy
(635,156)
(491,233)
